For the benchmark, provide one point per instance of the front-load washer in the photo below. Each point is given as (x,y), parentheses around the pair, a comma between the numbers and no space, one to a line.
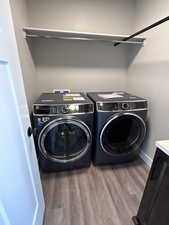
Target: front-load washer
(120,127)
(63,126)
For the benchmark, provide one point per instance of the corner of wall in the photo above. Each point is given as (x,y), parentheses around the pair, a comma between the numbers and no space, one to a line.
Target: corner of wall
(20,20)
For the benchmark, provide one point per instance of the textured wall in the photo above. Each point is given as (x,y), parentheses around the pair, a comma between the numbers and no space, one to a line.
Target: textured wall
(148,73)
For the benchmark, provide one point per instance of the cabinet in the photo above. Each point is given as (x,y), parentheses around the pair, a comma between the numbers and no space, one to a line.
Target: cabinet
(154,206)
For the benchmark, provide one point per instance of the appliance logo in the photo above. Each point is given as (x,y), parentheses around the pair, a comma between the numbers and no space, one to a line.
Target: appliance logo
(42,121)
(45,119)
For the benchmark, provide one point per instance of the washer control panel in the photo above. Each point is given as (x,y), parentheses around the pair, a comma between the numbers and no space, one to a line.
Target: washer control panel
(62,109)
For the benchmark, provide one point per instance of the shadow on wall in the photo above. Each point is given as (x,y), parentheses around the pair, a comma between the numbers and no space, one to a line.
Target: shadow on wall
(132,54)
(71,53)
(150,79)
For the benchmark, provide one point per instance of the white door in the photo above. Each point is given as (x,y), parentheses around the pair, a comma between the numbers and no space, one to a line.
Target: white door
(21,198)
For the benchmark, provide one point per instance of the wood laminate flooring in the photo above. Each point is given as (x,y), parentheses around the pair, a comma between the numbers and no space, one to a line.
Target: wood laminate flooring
(94,196)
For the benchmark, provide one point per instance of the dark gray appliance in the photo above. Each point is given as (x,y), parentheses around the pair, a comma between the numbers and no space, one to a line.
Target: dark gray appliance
(154,206)
(63,126)
(120,126)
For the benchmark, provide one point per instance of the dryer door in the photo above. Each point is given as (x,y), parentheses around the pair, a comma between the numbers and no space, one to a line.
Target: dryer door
(123,134)
(64,140)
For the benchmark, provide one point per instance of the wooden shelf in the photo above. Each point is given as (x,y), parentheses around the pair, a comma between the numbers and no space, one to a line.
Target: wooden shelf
(31,32)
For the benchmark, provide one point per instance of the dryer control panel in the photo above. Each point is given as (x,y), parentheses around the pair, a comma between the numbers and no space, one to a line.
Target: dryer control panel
(121,106)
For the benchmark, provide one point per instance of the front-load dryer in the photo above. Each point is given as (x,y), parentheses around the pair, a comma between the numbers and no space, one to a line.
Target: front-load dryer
(63,126)
(120,127)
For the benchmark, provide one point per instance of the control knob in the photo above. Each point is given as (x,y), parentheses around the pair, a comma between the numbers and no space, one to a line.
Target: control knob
(125,106)
(65,109)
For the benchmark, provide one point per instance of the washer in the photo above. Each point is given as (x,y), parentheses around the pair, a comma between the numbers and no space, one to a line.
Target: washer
(63,126)
(120,127)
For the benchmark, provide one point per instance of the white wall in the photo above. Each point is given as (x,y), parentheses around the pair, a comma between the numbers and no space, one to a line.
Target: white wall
(20,19)
(81,65)
(109,16)
(148,74)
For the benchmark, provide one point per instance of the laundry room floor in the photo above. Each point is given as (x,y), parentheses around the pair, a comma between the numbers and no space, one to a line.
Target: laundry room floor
(94,196)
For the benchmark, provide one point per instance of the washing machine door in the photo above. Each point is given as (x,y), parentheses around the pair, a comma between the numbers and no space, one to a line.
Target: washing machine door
(123,134)
(64,140)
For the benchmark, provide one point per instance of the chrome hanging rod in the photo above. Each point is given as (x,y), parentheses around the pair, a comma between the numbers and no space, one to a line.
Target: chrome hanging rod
(144,30)
(81,38)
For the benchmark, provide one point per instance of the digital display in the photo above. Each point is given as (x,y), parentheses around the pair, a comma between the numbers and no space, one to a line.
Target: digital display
(108,106)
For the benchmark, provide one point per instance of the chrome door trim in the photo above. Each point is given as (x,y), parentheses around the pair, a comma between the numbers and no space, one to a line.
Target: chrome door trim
(56,122)
(114,118)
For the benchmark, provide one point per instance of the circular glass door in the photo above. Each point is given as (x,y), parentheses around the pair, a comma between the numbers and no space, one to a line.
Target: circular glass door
(64,140)
(123,134)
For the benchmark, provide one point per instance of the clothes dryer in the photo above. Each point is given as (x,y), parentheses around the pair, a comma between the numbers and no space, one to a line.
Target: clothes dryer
(120,127)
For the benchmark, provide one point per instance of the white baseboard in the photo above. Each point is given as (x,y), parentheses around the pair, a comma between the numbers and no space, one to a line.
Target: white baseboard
(146,159)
